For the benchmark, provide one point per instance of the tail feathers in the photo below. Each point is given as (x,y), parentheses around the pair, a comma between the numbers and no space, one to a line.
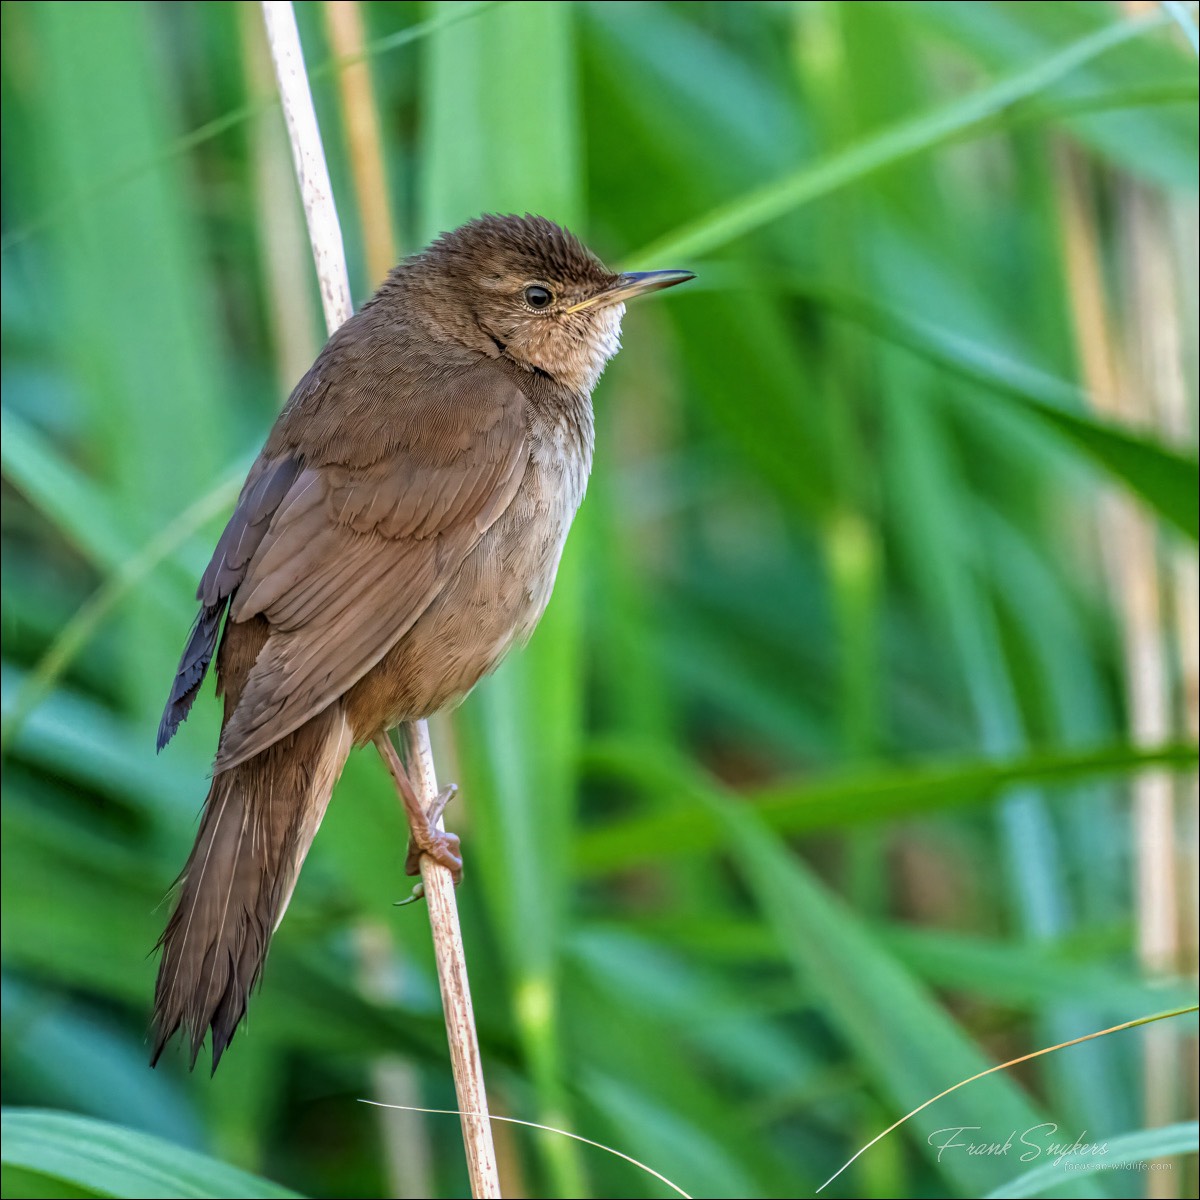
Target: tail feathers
(193,666)
(258,823)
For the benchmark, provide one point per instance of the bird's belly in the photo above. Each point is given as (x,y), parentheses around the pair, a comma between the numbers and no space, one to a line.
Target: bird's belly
(492,601)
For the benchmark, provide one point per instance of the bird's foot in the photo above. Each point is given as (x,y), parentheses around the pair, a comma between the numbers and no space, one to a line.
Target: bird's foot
(424,835)
(426,838)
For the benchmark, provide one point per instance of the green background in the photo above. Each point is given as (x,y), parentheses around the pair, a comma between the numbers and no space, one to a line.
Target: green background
(810,796)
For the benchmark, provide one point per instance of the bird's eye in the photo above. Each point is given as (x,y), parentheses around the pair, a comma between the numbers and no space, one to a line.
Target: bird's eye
(537,296)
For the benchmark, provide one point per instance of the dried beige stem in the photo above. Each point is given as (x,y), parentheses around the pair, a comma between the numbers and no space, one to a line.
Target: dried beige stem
(330,259)
(1124,377)
(395,1081)
(324,231)
(456,991)
(279,219)
(361,118)
(1155,340)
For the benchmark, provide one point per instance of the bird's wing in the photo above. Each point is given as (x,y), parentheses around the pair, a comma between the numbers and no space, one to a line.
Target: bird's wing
(265,487)
(353,554)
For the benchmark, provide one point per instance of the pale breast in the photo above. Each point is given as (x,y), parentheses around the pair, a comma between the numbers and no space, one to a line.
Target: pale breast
(560,463)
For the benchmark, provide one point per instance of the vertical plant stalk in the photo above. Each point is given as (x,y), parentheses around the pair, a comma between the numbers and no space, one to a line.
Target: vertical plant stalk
(1121,389)
(278,217)
(452,979)
(360,118)
(308,157)
(395,1081)
(330,259)
(1155,351)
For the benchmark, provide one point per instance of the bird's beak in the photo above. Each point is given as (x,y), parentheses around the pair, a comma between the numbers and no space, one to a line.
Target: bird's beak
(631,284)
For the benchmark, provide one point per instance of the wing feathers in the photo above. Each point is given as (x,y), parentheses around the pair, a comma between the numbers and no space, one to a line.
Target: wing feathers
(354,554)
(266,486)
(269,481)
(340,557)
(298,673)
(193,666)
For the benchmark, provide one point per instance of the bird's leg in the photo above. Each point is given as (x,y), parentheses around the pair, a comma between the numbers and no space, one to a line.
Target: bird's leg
(424,836)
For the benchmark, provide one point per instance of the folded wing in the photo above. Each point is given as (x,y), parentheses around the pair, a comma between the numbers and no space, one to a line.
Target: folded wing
(352,554)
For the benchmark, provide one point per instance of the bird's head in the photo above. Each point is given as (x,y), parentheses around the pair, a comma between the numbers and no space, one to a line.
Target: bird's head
(527,288)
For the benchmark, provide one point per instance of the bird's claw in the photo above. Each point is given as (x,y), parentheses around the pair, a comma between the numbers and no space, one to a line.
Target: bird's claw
(443,798)
(444,848)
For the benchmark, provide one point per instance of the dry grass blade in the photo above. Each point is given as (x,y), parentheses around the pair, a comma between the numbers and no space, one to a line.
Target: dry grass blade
(1012,1062)
(578,1137)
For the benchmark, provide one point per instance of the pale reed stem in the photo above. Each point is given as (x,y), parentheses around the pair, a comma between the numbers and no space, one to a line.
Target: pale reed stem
(330,259)
(395,1081)
(344,19)
(1121,392)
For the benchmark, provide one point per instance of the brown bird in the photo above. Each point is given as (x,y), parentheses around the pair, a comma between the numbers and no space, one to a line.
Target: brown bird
(400,530)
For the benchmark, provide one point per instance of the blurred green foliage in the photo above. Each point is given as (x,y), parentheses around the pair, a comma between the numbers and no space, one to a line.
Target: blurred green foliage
(808,799)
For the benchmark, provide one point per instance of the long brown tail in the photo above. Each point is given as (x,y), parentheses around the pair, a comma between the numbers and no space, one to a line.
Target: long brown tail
(259,821)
